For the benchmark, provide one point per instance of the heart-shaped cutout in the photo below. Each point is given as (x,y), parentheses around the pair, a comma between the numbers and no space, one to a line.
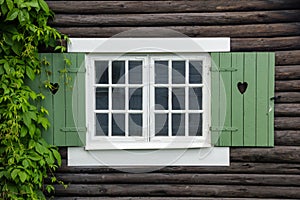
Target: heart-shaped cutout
(54,87)
(242,87)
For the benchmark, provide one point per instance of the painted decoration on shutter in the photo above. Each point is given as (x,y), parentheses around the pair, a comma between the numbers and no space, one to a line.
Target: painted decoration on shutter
(242,108)
(66,102)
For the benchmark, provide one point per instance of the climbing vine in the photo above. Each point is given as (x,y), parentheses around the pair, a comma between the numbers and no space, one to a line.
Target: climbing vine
(25,158)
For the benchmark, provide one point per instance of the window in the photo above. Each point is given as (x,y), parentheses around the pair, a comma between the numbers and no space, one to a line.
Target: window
(148,101)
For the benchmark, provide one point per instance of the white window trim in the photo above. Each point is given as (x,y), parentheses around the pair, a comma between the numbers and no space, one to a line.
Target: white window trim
(148,45)
(77,156)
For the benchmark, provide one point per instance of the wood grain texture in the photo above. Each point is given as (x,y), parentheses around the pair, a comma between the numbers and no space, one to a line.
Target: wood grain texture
(156,198)
(238,31)
(287,123)
(170,19)
(94,7)
(287,57)
(278,154)
(185,191)
(287,110)
(287,86)
(287,138)
(287,72)
(287,97)
(182,178)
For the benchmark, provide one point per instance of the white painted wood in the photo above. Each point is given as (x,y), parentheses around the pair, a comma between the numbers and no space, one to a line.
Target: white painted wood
(214,156)
(148,45)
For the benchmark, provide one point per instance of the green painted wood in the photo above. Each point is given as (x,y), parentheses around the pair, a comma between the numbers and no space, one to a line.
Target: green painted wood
(271,89)
(237,100)
(215,93)
(225,98)
(250,99)
(59,100)
(81,116)
(46,75)
(74,94)
(262,100)
(249,117)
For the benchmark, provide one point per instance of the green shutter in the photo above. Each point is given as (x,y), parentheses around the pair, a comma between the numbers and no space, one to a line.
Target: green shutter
(67,106)
(242,119)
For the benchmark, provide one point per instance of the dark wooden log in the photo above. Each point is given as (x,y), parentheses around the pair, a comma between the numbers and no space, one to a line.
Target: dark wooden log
(287,97)
(172,178)
(265,44)
(278,154)
(287,86)
(173,19)
(287,110)
(94,7)
(287,123)
(287,72)
(237,31)
(287,57)
(156,198)
(287,138)
(179,190)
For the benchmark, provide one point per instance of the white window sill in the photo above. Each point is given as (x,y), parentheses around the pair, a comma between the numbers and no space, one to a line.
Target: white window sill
(214,156)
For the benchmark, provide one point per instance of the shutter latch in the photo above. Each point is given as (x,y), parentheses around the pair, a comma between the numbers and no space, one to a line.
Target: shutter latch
(223,69)
(219,129)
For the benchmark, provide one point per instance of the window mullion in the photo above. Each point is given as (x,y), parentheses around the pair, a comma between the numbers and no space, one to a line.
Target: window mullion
(186,127)
(170,98)
(110,99)
(126,99)
(149,97)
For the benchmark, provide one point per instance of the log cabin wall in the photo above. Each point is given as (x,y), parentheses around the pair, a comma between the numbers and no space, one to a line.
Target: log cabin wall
(258,25)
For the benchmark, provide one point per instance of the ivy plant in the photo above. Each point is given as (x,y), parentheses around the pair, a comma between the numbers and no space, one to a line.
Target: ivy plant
(25,158)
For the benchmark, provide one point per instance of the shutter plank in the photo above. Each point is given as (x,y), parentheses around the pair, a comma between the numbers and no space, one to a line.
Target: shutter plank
(237,99)
(46,74)
(262,104)
(225,99)
(271,89)
(59,101)
(250,99)
(80,84)
(71,103)
(215,95)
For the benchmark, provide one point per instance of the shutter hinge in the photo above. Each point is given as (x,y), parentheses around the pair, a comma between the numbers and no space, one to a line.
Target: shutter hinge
(223,70)
(76,70)
(74,129)
(219,129)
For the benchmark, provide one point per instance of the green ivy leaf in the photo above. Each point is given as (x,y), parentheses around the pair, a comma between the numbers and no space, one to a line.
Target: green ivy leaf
(30,73)
(14,173)
(12,14)
(57,156)
(44,6)
(1,2)
(23,176)
(10,4)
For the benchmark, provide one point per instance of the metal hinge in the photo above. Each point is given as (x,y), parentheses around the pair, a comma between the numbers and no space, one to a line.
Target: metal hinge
(223,70)
(219,129)
(74,129)
(76,70)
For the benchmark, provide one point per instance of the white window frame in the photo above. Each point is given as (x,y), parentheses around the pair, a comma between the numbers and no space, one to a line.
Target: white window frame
(212,156)
(148,141)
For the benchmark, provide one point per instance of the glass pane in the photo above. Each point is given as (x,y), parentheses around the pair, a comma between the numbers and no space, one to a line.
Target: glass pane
(135,125)
(101,98)
(118,72)
(161,124)
(101,124)
(195,124)
(118,125)
(195,98)
(161,72)
(178,124)
(178,98)
(135,72)
(195,72)
(178,72)
(118,99)
(135,99)
(101,69)
(161,98)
